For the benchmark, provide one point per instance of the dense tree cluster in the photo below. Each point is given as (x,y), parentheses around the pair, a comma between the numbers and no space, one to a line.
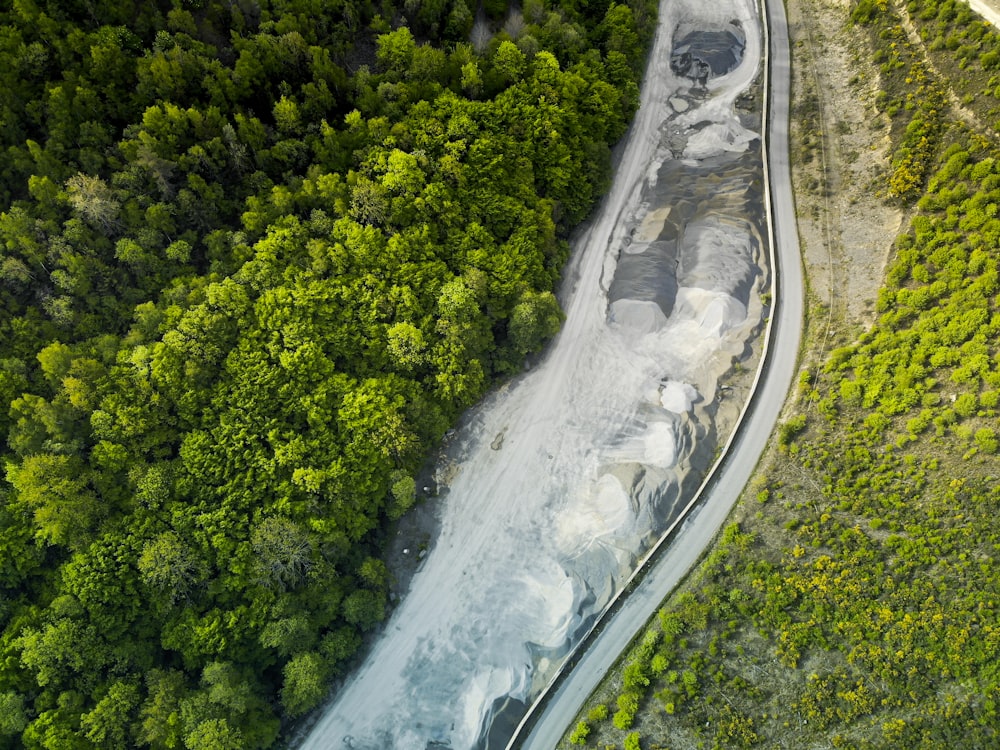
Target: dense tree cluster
(255,257)
(856,601)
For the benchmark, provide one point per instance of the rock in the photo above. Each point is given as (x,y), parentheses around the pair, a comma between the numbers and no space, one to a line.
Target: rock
(497,443)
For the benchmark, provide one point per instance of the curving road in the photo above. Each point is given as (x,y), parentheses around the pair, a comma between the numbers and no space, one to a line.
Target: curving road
(556,710)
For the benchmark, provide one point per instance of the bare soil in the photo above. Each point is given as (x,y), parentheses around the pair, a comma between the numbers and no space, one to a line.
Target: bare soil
(840,162)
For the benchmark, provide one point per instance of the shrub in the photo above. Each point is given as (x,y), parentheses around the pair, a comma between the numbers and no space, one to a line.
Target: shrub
(628,704)
(986,440)
(580,734)
(598,712)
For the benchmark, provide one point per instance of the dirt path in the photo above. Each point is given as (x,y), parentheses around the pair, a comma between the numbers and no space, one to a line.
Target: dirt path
(841,146)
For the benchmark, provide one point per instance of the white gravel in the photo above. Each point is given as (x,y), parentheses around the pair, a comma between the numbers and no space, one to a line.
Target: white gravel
(535,536)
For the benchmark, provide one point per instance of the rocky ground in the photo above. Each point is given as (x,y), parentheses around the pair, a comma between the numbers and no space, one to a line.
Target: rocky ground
(846,234)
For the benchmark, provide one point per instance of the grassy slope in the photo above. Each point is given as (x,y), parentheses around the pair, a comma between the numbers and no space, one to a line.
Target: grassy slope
(854,600)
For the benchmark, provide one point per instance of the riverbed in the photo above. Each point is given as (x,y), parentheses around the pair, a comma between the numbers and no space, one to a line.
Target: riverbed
(555,486)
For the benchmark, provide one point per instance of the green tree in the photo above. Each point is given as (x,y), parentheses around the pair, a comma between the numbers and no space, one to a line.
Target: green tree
(304,687)
(509,62)
(214,734)
(169,565)
(289,635)
(620,34)
(59,651)
(108,724)
(13,714)
(92,200)
(160,725)
(407,346)
(364,608)
(403,494)
(374,414)
(282,552)
(534,320)
(472,79)
(232,330)
(287,116)
(394,51)
(56,490)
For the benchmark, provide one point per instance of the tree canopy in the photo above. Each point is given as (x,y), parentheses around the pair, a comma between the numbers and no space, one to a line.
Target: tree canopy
(255,258)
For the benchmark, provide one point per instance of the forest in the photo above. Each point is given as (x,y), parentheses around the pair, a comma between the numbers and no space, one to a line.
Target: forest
(256,256)
(854,600)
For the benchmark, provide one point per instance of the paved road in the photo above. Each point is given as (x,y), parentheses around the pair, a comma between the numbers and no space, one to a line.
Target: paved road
(743,453)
